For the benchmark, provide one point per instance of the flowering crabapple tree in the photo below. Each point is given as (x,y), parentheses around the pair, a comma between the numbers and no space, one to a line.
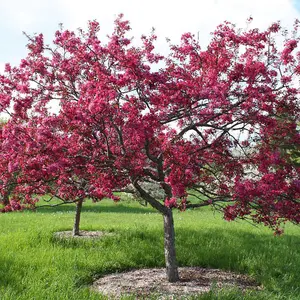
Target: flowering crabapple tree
(40,156)
(206,122)
(43,161)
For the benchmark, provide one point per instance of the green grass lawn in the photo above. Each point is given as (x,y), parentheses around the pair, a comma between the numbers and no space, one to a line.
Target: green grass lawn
(36,265)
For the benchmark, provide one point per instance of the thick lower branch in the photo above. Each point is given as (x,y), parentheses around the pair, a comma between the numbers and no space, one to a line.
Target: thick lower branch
(151,200)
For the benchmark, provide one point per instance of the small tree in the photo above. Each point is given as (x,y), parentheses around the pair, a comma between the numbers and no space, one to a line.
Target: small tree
(40,157)
(205,122)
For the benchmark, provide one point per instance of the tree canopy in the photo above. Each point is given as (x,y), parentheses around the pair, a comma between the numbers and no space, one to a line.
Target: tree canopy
(202,121)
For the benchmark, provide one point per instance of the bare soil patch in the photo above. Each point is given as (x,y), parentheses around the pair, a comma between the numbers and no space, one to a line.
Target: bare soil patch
(193,281)
(82,234)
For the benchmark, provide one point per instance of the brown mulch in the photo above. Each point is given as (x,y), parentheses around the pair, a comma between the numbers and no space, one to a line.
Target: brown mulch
(193,281)
(82,234)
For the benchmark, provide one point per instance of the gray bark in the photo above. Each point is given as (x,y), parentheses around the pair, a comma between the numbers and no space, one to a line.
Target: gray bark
(77,217)
(169,233)
(170,252)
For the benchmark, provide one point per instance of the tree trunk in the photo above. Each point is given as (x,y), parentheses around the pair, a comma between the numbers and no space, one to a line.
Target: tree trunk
(170,253)
(77,217)
(5,198)
(7,191)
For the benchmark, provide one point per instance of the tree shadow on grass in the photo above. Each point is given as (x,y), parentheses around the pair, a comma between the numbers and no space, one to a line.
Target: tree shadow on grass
(97,208)
(272,261)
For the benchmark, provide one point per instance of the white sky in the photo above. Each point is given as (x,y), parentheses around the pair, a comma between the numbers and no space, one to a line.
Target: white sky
(170,18)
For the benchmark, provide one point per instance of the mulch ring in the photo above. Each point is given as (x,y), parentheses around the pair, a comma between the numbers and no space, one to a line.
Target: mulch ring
(82,234)
(193,281)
